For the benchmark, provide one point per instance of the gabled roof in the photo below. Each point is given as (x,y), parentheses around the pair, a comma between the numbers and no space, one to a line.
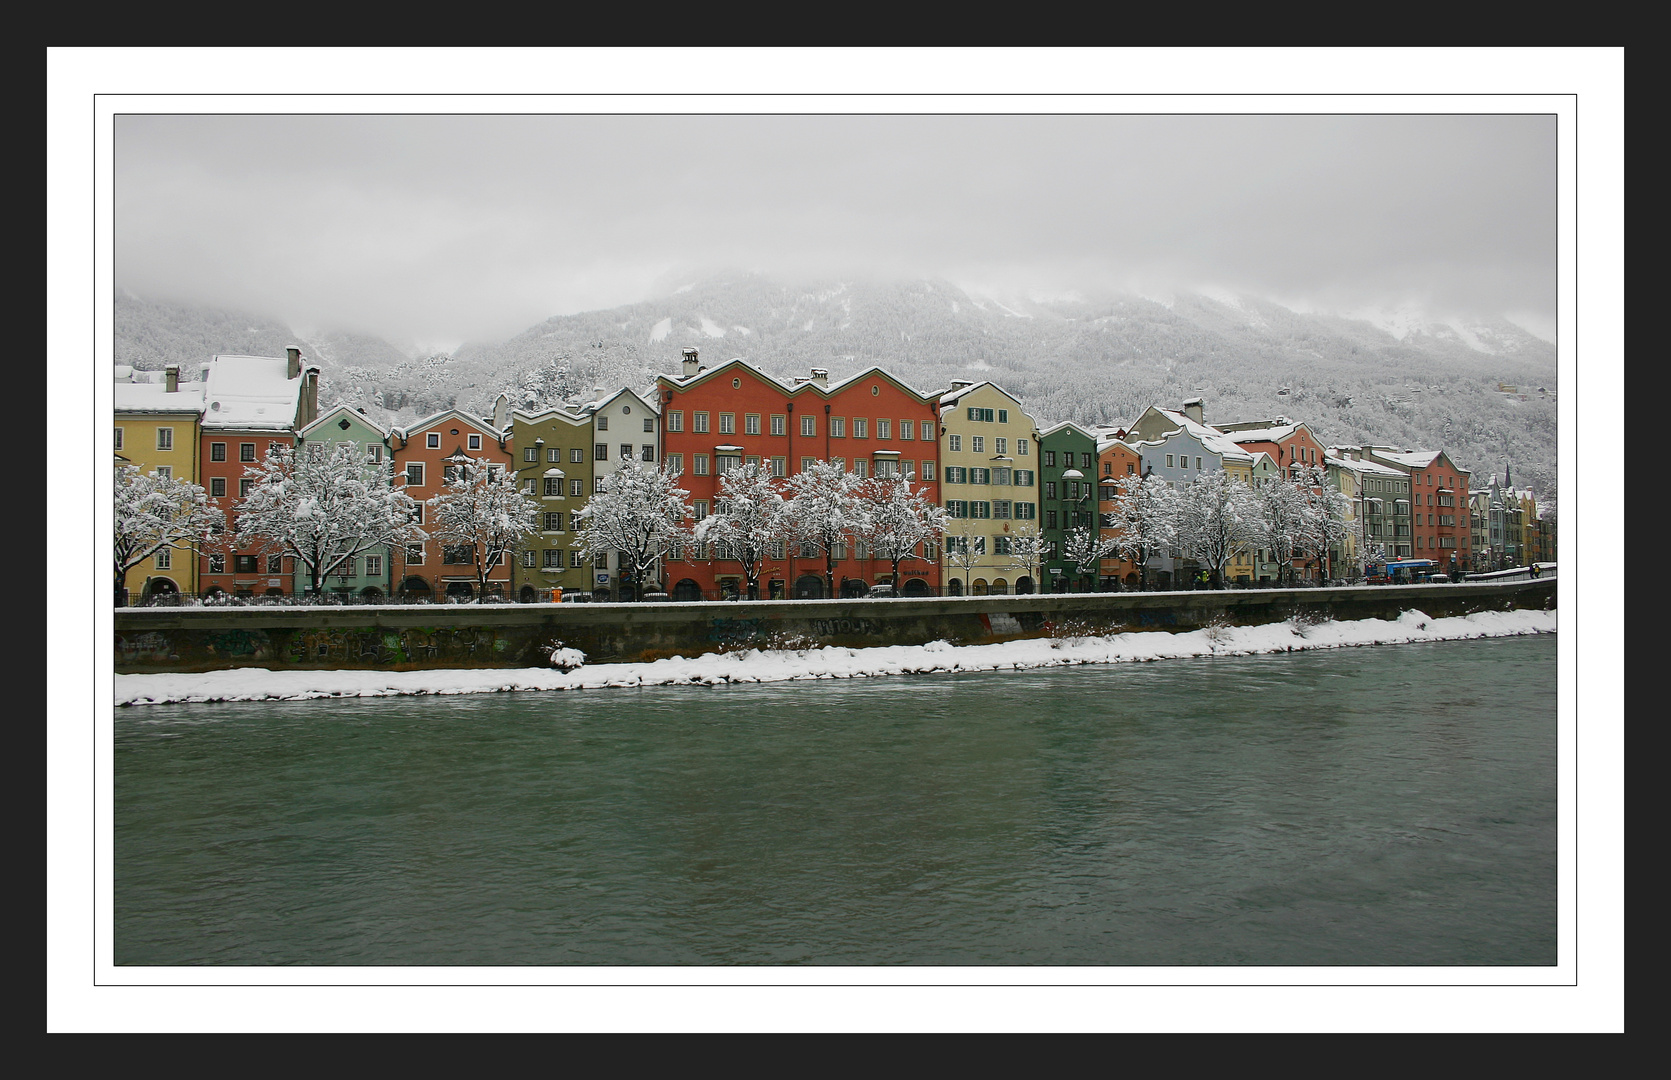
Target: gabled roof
(252,393)
(1211,437)
(483,423)
(1266,432)
(591,408)
(1368,468)
(554,413)
(331,415)
(1063,425)
(153,397)
(799,386)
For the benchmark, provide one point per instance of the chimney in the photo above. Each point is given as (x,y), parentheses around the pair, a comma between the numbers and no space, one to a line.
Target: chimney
(171,378)
(1196,410)
(203,373)
(691,364)
(958,384)
(821,376)
(501,412)
(310,396)
(293,362)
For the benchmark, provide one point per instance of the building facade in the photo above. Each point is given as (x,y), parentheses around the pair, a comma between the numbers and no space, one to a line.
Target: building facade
(426,454)
(156,429)
(990,486)
(365,576)
(553,449)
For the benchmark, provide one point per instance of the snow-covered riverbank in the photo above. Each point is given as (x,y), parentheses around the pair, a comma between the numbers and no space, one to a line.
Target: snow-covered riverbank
(257,684)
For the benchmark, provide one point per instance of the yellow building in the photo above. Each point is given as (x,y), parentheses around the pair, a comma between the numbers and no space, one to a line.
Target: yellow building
(156,428)
(989,484)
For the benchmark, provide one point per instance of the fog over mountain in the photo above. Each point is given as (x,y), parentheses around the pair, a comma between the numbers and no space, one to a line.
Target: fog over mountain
(1391,375)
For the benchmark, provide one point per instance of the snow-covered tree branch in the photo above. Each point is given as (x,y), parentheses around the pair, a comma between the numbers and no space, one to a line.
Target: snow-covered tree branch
(641,513)
(1218,519)
(901,522)
(154,513)
(481,510)
(750,515)
(826,511)
(323,506)
(1143,515)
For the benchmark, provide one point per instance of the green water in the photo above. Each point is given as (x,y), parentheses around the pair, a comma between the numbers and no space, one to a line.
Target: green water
(1390,805)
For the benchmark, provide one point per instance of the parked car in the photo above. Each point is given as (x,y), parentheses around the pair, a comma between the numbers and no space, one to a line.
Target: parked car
(577,597)
(1439,579)
(880,590)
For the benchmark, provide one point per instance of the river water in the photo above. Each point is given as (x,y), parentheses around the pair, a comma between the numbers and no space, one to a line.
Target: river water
(1387,805)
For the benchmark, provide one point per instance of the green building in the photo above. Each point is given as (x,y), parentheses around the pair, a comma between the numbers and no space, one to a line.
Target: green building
(553,451)
(1067,501)
(366,576)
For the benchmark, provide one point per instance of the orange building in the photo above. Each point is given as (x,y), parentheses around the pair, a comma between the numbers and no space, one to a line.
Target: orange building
(1439,525)
(735,414)
(250,403)
(424,455)
(1115,462)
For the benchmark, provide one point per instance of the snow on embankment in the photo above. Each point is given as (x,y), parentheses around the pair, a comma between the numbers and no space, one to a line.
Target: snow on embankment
(830,662)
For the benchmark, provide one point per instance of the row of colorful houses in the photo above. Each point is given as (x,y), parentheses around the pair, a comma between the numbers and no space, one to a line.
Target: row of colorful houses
(1000,472)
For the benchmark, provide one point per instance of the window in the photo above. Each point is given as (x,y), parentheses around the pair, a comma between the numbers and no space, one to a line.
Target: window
(907,430)
(1021,448)
(414,554)
(531,453)
(676,420)
(164,559)
(981,416)
(165,438)
(809,425)
(1050,519)
(626,451)
(577,488)
(1000,446)
(600,451)
(577,456)
(726,463)
(473,442)
(979,544)
(1169,461)
(1197,463)
(244,564)
(807,463)
(1001,508)
(553,558)
(727,423)
(118,438)
(701,463)
(554,487)
(1023,477)
(217,450)
(647,452)
(980,476)
(597,485)
(649,425)
(977,444)
(374,566)
(275,563)
(701,422)
(980,509)
(700,508)
(575,560)
(528,486)
(1050,458)
(927,472)
(374,453)
(529,558)
(1001,477)
(603,422)
(928,431)
(243,487)
(433,440)
(954,443)
(859,467)
(1003,416)
(246,451)
(217,564)
(1050,489)
(418,514)
(780,467)
(600,561)
(751,423)
(217,486)
(956,508)
(838,427)
(1024,511)
(861,429)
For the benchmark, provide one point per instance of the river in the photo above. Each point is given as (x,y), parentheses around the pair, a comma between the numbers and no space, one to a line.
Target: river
(1390,805)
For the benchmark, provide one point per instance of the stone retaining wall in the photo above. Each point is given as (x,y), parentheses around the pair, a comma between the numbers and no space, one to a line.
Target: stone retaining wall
(408,637)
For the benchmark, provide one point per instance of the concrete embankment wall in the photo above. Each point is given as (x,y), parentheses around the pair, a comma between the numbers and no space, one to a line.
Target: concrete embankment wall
(408,637)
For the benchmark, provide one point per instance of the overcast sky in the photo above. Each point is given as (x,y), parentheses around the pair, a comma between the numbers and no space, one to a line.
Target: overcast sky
(440,229)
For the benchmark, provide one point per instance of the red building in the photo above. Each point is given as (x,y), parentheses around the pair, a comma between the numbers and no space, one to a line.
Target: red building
(250,403)
(735,414)
(1439,524)
(424,455)
(1115,462)
(1292,446)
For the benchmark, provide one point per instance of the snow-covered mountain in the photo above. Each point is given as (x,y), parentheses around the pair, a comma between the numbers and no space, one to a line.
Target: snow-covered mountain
(1393,375)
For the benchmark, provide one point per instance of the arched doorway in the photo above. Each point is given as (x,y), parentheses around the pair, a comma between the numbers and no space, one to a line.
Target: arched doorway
(415,588)
(371,594)
(809,587)
(775,589)
(527,595)
(601,595)
(1000,587)
(1132,580)
(274,592)
(213,592)
(853,588)
(729,588)
(687,591)
(978,588)
(954,587)
(459,591)
(1023,586)
(915,587)
(159,587)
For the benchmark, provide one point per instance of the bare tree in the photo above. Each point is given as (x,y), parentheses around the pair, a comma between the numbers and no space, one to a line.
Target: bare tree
(481,511)
(156,513)
(641,513)
(750,516)
(901,521)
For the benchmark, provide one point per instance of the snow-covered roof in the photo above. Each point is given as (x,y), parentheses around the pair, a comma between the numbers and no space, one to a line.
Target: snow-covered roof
(1415,459)
(1211,437)
(484,423)
(1066,424)
(556,412)
(596,404)
(1107,442)
(950,397)
(335,413)
(797,385)
(251,392)
(1368,468)
(153,397)
(1272,432)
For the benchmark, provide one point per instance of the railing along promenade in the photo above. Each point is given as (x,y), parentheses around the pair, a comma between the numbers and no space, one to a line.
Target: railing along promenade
(400,637)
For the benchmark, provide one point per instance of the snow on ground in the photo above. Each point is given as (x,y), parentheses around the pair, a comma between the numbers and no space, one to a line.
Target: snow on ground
(829,662)
(660,331)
